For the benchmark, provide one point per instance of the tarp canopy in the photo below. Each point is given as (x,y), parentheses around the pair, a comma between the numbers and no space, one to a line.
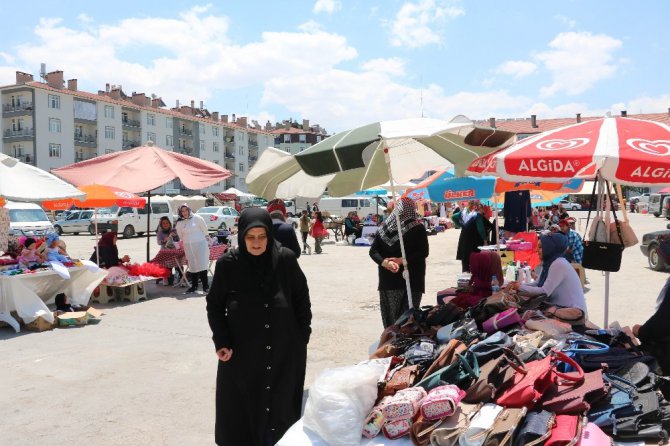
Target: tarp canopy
(144,169)
(238,192)
(24,182)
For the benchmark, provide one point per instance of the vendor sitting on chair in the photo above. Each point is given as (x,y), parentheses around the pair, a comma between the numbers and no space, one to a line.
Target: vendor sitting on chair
(109,253)
(350,227)
(558,279)
(53,249)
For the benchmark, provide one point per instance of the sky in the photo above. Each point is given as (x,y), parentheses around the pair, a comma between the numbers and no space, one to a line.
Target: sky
(343,63)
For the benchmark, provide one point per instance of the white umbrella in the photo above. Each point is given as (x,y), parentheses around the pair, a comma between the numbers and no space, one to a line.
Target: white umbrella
(24,182)
(238,192)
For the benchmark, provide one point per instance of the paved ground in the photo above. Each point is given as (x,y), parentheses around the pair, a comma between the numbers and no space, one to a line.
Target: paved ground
(145,375)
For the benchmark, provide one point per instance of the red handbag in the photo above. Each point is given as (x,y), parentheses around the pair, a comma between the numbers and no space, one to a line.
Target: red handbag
(532,381)
(567,431)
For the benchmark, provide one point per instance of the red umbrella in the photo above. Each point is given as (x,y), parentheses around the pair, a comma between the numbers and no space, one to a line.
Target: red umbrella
(143,169)
(624,150)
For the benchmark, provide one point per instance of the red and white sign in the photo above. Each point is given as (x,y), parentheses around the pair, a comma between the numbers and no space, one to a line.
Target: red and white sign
(624,150)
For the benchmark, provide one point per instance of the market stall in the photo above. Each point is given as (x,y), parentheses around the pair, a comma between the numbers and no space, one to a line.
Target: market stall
(29,292)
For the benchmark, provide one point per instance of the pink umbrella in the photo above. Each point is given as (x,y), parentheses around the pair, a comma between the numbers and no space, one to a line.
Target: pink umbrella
(143,169)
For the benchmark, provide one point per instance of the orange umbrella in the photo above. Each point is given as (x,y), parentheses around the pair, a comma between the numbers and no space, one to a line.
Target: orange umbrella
(2,202)
(98,196)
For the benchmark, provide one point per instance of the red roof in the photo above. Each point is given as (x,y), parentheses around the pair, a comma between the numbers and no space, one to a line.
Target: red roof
(523,125)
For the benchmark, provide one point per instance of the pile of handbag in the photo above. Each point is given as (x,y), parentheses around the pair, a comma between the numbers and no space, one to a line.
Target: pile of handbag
(514,370)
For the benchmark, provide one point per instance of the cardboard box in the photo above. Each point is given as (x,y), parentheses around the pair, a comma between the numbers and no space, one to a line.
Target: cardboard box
(75,318)
(506,257)
(41,324)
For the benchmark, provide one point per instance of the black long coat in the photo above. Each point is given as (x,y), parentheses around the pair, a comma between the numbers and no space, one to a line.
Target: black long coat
(470,239)
(266,322)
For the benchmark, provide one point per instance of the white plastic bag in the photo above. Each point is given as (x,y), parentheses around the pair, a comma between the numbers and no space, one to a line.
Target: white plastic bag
(340,399)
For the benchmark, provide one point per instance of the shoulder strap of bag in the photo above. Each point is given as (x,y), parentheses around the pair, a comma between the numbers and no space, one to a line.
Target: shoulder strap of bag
(592,201)
(616,220)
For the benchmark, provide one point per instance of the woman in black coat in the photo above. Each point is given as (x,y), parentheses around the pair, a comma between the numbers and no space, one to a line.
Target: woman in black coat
(259,312)
(385,251)
(476,231)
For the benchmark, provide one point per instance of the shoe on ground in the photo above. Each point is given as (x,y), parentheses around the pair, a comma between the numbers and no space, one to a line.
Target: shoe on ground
(190,290)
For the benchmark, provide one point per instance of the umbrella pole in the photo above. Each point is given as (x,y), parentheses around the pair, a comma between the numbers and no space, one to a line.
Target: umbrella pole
(97,249)
(405,272)
(495,219)
(148,221)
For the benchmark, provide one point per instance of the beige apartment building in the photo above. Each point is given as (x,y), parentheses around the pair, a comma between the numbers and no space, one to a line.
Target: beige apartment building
(52,124)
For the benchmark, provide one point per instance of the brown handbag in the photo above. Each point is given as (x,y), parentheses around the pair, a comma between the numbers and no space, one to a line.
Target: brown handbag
(504,426)
(573,398)
(448,433)
(401,378)
(446,356)
(494,376)
(422,429)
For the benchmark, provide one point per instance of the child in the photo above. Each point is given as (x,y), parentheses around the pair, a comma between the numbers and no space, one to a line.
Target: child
(29,255)
(53,250)
(305,225)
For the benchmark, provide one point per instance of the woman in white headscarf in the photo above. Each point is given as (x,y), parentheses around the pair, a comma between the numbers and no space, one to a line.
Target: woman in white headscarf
(193,234)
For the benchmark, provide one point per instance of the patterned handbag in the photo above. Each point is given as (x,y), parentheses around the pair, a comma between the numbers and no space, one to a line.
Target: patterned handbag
(441,402)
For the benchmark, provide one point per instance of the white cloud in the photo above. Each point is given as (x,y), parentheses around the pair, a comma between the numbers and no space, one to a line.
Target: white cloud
(327,6)
(393,66)
(517,68)
(643,104)
(570,23)
(416,23)
(85,18)
(8,58)
(577,61)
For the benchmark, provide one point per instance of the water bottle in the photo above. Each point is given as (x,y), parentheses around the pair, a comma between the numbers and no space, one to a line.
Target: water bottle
(495,285)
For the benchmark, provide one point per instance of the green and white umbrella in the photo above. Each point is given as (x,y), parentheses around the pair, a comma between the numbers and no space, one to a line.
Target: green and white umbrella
(365,157)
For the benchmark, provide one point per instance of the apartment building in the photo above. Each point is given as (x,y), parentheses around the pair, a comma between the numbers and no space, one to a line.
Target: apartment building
(51,124)
(293,138)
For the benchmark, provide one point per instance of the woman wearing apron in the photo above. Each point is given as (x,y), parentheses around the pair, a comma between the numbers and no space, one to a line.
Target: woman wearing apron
(193,234)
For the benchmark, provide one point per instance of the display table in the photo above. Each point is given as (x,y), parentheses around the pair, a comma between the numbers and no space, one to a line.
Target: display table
(297,435)
(176,258)
(28,294)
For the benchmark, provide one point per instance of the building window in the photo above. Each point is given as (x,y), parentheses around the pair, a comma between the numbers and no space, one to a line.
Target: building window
(151,136)
(202,129)
(202,146)
(215,146)
(54,150)
(215,131)
(302,138)
(287,139)
(169,141)
(318,138)
(109,111)
(241,166)
(169,123)
(18,150)
(54,101)
(109,132)
(54,125)
(108,151)
(151,119)
(240,150)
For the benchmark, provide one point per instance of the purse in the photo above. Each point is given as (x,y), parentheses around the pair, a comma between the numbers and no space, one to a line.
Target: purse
(533,381)
(600,255)
(491,347)
(573,398)
(502,320)
(553,328)
(446,356)
(536,428)
(592,435)
(453,427)
(401,378)
(460,373)
(584,346)
(441,402)
(567,431)
(494,376)
(504,426)
(403,405)
(396,429)
(480,426)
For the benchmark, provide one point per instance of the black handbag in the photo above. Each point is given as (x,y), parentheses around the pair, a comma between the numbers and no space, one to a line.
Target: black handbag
(602,256)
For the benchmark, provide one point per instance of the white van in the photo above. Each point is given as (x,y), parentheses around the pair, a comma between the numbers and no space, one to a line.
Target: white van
(130,221)
(28,219)
(656,204)
(341,206)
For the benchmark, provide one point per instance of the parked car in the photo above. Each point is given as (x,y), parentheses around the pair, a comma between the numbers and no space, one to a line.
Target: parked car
(648,247)
(130,221)
(74,223)
(28,219)
(219,217)
(570,205)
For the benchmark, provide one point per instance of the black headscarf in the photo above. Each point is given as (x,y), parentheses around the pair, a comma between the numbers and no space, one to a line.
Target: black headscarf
(256,218)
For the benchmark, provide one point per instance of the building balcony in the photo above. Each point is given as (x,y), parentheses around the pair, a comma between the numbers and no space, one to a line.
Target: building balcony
(129,144)
(130,123)
(83,140)
(19,134)
(253,145)
(253,159)
(84,156)
(186,132)
(9,110)
(27,158)
(229,155)
(186,150)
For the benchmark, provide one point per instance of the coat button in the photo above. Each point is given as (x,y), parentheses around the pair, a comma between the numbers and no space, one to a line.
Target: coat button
(267,388)
(268,347)
(269,367)
(267,325)
(267,305)
(267,409)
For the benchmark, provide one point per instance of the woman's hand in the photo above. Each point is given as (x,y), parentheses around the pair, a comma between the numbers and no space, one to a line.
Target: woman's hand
(390,265)
(513,286)
(636,330)
(224,354)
